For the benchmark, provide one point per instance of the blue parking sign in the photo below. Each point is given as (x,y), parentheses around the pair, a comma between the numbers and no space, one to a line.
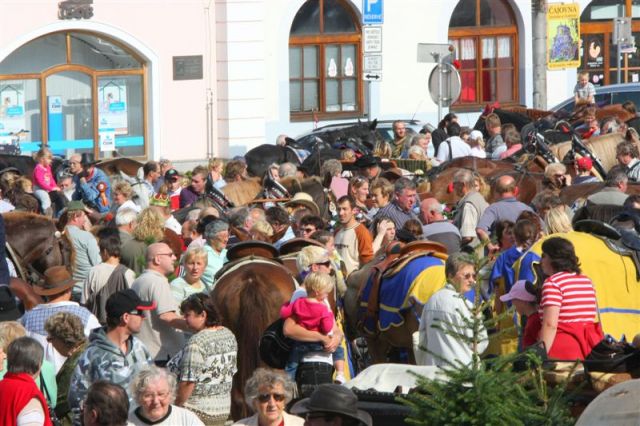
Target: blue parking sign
(372,12)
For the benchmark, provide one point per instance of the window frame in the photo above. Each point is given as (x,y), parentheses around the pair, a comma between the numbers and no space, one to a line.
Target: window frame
(477,33)
(94,74)
(321,40)
(605,27)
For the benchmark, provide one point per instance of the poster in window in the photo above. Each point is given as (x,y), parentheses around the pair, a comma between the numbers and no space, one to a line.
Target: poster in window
(563,36)
(12,108)
(112,101)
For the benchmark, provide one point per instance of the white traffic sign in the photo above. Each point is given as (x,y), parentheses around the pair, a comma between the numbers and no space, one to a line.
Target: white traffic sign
(372,39)
(372,76)
(372,63)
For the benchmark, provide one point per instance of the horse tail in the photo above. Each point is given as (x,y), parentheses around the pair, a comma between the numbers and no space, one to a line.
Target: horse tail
(258,309)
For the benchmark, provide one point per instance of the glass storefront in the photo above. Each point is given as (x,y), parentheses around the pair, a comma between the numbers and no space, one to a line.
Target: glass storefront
(76,92)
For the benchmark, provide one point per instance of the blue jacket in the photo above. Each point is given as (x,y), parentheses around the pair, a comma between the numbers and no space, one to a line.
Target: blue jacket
(88,192)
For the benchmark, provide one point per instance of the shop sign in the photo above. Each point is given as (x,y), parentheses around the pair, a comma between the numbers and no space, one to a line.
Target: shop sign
(563,36)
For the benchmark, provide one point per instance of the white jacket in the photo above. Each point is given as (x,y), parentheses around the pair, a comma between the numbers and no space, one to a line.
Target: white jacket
(289,420)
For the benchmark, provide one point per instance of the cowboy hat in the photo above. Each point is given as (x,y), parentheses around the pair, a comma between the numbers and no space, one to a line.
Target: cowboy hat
(303,199)
(57,279)
(335,399)
(294,245)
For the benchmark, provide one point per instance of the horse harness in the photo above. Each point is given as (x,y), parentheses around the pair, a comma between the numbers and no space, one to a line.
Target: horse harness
(386,268)
(25,262)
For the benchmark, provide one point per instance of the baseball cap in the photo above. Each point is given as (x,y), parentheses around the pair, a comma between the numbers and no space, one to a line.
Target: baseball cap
(127,301)
(519,291)
(171,174)
(584,163)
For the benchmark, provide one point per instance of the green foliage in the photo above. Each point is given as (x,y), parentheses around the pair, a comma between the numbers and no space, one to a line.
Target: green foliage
(487,391)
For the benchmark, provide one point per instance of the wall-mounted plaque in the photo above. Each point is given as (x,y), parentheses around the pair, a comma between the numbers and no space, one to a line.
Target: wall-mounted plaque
(75,9)
(187,67)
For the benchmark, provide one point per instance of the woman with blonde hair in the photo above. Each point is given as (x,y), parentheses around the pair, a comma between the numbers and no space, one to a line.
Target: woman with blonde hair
(416,153)
(150,229)
(382,149)
(194,263)
(556,220)
(556,177)
(476,142)
(215,177)
(122,197)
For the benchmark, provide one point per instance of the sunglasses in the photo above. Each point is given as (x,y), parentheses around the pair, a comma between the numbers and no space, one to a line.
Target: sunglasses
(265,397)
(327,263)
(469,275)
(308,229)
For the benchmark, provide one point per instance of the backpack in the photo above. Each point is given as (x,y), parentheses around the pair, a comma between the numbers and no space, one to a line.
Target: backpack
(274,346)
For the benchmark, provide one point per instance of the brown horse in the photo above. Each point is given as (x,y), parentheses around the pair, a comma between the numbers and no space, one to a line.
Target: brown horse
(241,193)
(34,244)
(118,165)
(248,296)
(528,177)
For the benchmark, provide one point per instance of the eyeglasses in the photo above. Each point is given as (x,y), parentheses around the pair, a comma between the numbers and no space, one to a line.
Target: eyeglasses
(160,395)
(165,254)
(469,275)
(308,230)
(327,263)
(265,397)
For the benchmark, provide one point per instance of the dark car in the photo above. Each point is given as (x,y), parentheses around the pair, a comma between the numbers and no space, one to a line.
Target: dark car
(384,128)
(607,95)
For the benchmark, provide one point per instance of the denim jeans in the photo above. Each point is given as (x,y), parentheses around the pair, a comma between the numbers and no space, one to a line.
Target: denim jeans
(312,374)
(300,349)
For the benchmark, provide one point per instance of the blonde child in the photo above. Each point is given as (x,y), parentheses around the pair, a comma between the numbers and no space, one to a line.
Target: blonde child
(43,181)
(313,313)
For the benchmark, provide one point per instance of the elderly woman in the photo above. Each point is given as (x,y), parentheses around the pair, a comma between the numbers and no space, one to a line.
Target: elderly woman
(12,330)
(194,263)
(452,313)
(569,307)
(206,365)
(417,153)
(267,392)
(122,198)
(217,235)
(556,177)
(154,391)
(21,402)
(476,142)
(66,334)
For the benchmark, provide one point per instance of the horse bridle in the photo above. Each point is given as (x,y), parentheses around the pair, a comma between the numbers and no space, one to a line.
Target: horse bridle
(24,262)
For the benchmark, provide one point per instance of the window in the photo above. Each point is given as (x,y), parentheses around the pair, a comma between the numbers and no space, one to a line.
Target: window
(324,61)
(47,87)
(485,38)
(598,55)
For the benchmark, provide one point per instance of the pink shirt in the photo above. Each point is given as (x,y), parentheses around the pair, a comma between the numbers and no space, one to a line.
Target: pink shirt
(310,315)
(509,152)
(43,177)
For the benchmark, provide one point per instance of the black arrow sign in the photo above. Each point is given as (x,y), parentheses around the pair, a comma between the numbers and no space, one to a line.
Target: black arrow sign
(373,76)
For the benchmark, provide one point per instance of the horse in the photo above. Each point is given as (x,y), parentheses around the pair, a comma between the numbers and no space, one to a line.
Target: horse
(387,315)
(248,295)
(614,275)
(120,165)
(33,245)
(261,157)
(506,116)
(528,176)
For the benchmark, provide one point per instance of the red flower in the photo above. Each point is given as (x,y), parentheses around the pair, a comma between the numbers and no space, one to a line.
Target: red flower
(457,64)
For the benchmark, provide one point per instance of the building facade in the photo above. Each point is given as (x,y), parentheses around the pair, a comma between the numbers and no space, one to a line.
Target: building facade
(190,79)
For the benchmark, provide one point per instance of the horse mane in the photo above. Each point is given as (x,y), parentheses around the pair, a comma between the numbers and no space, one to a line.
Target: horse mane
(256,295)
(605,148)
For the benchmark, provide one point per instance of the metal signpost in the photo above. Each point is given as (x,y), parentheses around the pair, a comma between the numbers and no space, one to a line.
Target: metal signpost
(444,81)
(372,19)
(624,41)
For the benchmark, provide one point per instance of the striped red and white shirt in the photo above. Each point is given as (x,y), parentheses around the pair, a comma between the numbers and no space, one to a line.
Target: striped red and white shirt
(573,293)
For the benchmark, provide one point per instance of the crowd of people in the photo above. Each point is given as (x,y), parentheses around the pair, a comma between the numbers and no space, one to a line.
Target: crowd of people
(129,333)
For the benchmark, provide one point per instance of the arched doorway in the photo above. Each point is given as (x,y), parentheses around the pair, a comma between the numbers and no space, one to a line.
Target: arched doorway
(75,91)
(484,34)
(599,54)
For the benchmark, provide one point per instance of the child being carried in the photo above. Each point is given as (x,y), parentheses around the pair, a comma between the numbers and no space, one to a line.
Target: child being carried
(313,313)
